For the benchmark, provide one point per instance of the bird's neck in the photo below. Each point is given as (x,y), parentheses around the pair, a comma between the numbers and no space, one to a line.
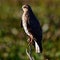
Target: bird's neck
(26,13)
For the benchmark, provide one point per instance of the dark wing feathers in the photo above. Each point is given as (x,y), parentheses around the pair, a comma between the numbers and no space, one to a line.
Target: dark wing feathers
(36,30)
(34,26)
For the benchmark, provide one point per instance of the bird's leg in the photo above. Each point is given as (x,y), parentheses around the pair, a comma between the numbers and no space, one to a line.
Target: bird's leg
(30,39)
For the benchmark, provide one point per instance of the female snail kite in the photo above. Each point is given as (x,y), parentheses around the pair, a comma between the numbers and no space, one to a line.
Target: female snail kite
(32,28)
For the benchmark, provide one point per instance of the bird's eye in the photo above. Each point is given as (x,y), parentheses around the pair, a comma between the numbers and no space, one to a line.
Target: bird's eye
(25,7)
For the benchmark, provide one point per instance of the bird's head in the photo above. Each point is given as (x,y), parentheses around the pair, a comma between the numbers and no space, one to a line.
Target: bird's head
(26,8)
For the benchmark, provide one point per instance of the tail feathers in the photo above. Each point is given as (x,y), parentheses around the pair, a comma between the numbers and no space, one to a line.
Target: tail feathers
(37,48)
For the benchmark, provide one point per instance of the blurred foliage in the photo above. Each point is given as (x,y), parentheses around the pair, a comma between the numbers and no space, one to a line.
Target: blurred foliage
(13,41)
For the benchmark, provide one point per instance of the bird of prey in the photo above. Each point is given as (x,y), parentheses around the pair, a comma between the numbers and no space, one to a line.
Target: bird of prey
(32,27)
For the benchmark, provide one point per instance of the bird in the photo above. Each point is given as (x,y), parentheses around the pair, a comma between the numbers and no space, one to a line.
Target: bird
(32,27)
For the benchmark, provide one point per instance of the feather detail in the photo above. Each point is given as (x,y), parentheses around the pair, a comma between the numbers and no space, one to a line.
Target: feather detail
(37,48)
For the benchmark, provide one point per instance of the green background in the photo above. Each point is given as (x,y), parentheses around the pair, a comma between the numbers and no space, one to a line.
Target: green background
(13,40)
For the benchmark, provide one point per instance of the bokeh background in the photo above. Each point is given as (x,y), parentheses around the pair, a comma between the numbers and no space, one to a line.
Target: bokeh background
(13,40)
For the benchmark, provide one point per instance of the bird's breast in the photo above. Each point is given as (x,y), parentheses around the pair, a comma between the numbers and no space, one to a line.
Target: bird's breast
(24,23)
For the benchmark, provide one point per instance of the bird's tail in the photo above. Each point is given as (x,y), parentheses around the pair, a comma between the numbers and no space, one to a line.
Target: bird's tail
(37,48)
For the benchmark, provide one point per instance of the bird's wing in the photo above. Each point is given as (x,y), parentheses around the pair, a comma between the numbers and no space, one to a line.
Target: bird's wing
(36,31)
(34,27)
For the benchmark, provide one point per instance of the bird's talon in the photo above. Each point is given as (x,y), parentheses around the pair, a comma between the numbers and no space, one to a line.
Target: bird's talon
(28,40)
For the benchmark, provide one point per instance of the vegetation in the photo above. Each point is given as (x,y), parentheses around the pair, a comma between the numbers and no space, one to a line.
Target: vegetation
(13,40)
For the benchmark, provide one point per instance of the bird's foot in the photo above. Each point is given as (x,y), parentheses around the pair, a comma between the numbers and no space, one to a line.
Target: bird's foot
(30,41)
